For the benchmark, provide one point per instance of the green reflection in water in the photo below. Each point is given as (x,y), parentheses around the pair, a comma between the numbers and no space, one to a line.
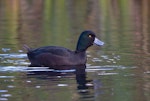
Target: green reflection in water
(9,24)
(56,23)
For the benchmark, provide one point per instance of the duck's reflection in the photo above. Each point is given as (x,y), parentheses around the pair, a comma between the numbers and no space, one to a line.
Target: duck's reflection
(81,77)
(78,71)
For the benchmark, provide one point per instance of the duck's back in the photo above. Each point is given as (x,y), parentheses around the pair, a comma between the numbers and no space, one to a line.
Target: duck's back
(55,50)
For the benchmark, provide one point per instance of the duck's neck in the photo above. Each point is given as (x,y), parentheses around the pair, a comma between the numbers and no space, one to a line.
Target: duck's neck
(81,47)
(80,50)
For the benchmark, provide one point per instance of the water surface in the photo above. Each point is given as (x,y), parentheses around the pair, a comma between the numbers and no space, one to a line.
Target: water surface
(118,71)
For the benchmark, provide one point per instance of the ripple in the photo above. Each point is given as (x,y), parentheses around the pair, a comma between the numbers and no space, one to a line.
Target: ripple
(65,71)
(96,60)
(147,72)
(7,77)
(97,68)
(62,85)
(36,69)
(11,86)
(30,69)
(104,73)
(21,62)
(13,69)
(13,55)
(104,56)
(6,49)
(6,95)
(111,58)
(3,91)
(3,99)
(106,68)
(37,86)
(14,59)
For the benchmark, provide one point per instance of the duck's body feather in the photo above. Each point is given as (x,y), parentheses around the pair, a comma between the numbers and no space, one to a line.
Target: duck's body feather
(55,55)
(55,50)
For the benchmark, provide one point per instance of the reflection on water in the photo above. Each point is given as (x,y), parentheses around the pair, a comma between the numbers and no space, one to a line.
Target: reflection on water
(45,80)
(62,71)
(120,70)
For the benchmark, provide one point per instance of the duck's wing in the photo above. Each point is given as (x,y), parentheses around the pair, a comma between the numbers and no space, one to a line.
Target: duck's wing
(55,50)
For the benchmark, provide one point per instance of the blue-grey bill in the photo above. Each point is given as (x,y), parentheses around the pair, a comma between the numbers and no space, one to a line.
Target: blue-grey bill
(98,42)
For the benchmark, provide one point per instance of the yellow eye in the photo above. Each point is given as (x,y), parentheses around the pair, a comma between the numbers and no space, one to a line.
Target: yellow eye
(90,36)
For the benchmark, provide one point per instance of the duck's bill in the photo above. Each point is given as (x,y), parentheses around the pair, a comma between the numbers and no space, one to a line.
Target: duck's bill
(98,42)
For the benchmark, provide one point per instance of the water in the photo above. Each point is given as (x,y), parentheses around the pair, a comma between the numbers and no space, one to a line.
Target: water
(118,71)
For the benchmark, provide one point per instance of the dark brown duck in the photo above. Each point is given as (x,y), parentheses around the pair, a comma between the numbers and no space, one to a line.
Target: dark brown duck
(58,56)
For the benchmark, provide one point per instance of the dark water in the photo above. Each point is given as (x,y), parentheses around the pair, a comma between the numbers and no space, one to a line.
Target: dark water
(118,71)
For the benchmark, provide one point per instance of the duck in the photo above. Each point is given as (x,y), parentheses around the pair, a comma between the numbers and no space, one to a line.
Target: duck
(48,56)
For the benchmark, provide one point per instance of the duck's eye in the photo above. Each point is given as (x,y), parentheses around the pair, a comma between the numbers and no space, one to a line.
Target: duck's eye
(90,36)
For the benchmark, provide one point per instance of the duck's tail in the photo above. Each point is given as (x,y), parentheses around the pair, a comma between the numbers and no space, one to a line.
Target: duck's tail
(27,48)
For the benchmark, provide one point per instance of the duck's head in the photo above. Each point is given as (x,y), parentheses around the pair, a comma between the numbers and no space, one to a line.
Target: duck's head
(87,39)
